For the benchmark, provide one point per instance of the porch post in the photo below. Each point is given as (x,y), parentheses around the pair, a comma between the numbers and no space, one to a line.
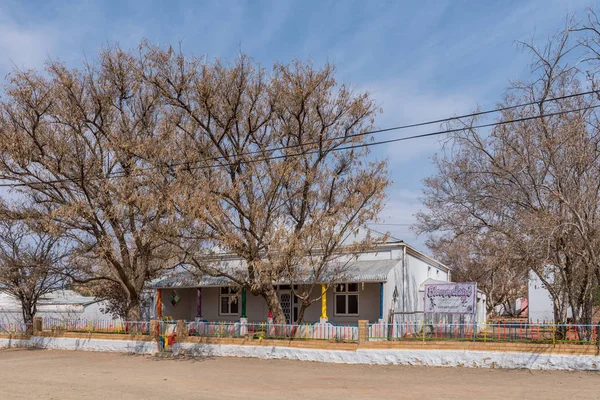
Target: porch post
(199,303)
(381,301)
(243,315)
(323,303)
(159,303)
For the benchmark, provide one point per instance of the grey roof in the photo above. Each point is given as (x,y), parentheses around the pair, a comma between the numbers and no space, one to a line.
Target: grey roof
(186,279)
(369,271)
(355,271)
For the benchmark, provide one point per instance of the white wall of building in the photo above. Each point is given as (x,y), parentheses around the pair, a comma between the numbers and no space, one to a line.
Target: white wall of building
(539,300)
(60,305)
(418,270)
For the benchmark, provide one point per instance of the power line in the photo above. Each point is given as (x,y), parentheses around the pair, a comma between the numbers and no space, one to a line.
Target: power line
(395,128)
(387,224)
(402,138)
(350,147)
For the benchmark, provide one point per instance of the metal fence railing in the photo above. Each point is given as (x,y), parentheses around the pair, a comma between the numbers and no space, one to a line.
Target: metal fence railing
(18,327)
(415,330)
(496,332)
(346,333)
(97,326)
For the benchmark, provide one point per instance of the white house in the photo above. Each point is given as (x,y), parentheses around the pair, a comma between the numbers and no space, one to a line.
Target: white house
(540,302)
(384,284)
(60,304)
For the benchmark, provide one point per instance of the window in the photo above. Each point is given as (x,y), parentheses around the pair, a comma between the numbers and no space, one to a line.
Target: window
(346,299)
(228,304)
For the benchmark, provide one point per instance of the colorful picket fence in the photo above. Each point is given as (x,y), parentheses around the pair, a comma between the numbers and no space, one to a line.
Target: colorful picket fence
(319,331)
(97,326)
(498,332)
(15,328)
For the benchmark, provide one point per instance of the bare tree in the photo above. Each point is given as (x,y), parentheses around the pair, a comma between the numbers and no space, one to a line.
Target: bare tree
(487,260)
(535,182)
(31,263)
(77,144)
(257,162)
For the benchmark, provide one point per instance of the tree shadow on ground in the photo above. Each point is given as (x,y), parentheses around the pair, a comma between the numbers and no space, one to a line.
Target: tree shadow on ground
(196,354)
(19,349)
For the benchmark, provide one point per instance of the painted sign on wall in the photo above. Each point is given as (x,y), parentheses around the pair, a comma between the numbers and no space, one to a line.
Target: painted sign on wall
(451,298)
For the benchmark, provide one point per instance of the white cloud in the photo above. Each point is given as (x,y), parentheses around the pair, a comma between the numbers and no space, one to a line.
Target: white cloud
(398,215)
(407,102)
(24,46)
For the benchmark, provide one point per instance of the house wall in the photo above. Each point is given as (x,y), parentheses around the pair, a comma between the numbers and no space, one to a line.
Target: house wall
(539,300)
(418,271)
(405,278)
(368,306)
(481,316)
(10,310)
(257,310)
(185,309)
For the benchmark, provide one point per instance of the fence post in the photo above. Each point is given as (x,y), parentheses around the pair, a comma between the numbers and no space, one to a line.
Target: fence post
(485,332)
(37,325)
(363,331)
(180,329)
(154,329)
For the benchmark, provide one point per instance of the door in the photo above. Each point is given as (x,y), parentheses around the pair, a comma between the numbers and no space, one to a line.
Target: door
(285,299)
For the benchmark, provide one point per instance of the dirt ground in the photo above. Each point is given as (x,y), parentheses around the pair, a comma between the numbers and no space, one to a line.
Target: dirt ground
(51,374)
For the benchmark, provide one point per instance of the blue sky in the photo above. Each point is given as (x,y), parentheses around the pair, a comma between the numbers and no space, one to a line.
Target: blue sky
(420,60)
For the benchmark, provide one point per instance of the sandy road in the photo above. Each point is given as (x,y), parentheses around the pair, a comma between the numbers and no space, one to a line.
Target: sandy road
(48,374)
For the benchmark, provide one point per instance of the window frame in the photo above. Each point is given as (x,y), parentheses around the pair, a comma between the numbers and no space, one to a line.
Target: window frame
(346,293)
(230,293)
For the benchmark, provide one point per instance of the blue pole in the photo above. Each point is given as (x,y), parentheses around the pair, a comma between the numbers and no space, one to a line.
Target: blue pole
(381,300)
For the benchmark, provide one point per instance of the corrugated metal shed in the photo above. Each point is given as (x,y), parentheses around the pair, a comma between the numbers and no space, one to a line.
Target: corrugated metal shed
(355,271)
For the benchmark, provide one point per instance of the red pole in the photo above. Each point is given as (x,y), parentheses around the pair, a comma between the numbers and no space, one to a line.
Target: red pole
(520,331)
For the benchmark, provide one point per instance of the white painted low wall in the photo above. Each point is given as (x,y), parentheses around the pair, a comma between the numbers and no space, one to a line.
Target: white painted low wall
(120,346)
(4,343)
(434,358)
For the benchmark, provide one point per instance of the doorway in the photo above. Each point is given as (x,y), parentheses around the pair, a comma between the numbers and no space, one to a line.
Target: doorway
(289,305)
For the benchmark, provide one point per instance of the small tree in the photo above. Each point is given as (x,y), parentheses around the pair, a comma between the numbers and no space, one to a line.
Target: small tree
(31,263)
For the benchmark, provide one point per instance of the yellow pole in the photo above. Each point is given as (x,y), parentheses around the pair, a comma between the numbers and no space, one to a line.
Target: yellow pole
(323,301)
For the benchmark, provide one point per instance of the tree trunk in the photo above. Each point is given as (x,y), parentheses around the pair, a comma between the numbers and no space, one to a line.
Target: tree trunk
(489,305)
(134,312)
(272,299)
(301,311)
(28,314)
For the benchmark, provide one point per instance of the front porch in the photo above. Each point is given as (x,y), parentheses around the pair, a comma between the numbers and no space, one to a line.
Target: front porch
(343,304)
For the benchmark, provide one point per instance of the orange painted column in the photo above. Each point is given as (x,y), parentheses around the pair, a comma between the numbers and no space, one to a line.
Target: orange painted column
(158,303)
